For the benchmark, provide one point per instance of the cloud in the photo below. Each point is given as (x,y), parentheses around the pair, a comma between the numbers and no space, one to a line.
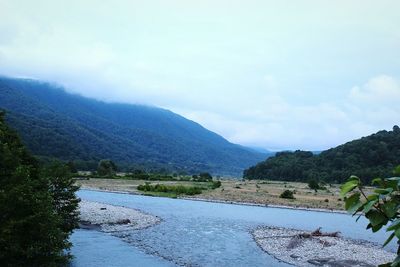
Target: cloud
(380,90)
(279,125)
(258,73)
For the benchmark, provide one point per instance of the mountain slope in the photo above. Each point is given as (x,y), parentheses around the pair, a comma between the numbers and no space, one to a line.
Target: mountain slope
(369,157)
(54,123)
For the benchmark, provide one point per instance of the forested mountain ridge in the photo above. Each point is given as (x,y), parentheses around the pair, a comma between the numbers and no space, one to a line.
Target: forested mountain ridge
(54,123)
(369,157)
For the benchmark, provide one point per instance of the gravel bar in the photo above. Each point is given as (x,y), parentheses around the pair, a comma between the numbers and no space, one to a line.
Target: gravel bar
(287,246)
(110,218)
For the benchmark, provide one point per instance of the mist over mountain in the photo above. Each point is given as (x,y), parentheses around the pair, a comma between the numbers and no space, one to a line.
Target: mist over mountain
(56,124)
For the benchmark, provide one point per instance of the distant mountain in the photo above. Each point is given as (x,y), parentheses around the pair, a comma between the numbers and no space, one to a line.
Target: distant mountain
(56,124)
(369,157)
(262,150)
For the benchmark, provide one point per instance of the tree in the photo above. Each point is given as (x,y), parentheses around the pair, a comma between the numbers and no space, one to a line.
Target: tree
(205,176)
(287,194)
(72,167)
(313,184)
(62,190)
(381,207)
(31,232)
(106,168)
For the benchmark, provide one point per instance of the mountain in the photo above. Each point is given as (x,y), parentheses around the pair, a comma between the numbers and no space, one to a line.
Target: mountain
(369,157)
(262,150)
(56,124)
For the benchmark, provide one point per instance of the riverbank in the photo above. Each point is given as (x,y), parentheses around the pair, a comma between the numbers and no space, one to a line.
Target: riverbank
(110,218)
(302,248)
(224,201)
(259,193)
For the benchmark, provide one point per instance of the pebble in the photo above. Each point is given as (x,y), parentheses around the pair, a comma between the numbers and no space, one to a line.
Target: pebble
(112,218)
(319,251)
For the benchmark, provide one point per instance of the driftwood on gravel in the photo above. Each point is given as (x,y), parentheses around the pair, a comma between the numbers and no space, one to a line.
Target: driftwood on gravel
(299,238)
(322,249)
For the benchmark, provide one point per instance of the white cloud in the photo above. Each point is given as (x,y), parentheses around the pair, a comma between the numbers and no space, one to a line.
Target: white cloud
(258,73)
(380,90)
(280,125)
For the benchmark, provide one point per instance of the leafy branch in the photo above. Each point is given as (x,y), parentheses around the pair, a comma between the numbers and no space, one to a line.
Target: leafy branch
(380,207)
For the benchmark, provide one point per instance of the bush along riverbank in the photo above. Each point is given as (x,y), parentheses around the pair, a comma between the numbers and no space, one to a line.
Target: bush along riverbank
(176,190)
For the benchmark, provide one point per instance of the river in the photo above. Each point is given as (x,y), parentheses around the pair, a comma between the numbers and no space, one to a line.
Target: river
(195,233)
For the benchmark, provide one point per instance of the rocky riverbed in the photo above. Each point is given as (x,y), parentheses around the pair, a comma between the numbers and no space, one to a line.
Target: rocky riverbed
(302,248)
(109,218)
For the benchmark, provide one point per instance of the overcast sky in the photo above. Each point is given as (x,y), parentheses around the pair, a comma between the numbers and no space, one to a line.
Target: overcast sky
(272,74)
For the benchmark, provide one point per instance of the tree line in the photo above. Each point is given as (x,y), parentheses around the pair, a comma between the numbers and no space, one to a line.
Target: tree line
(38,206)
(369,157)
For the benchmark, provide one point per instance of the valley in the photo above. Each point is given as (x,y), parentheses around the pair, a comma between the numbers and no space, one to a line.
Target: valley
(258,192)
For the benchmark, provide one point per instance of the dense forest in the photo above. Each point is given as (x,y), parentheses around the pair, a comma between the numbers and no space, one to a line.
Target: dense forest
(369,157)
(38,206)
(55,124)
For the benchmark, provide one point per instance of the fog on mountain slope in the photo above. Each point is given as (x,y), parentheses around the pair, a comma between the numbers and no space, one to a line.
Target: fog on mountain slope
(56,124)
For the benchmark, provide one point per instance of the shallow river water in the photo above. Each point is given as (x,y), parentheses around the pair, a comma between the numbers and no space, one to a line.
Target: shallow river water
(195,233)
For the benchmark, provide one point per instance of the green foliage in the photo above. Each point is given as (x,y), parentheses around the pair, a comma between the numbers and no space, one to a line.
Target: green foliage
(34,225)
(287,194)
(176,189)
(55,124)
(372,156)
(202,177)
(380,207)
(216,184)
(314,184)
(63,191)
(72,167)
(106,168)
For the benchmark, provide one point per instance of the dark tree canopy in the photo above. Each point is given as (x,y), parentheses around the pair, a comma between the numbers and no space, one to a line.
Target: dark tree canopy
(55,124)
(106,167)
(369,157)
(33,229)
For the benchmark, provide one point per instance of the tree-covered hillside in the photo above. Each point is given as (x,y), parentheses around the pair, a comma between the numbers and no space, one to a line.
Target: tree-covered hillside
(54,123)
(369,157)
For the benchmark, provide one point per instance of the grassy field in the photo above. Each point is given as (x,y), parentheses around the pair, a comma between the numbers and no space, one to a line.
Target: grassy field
(259,192)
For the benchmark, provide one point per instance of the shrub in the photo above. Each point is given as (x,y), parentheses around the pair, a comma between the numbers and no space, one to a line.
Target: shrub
(287,194)
(313,184)
(177,189)
(216,184)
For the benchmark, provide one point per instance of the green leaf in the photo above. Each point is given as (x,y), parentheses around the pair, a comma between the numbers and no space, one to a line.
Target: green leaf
(395,225)
(376,228)
(352,183)
(397,170)
(368,206)
(377,181)
(390,209)
(353,203)
(373,197)
(392,183)
(389,239)
(385,191)
(375,217)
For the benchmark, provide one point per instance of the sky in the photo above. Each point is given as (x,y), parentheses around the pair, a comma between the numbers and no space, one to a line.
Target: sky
(280,75)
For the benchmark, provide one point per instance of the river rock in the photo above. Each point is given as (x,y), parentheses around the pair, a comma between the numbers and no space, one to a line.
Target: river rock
(285,245)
